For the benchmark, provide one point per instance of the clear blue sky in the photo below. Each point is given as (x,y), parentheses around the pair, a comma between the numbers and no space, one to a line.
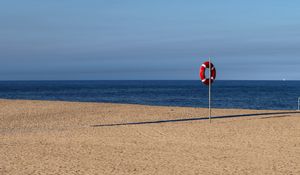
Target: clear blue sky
(143,39)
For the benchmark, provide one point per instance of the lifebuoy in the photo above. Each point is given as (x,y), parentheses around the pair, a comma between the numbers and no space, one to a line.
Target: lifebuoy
(204,66)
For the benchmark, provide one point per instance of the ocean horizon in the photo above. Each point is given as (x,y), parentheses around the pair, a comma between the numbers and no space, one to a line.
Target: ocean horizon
(239,94)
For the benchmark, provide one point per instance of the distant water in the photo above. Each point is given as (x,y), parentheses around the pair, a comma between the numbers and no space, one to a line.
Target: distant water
(225,94)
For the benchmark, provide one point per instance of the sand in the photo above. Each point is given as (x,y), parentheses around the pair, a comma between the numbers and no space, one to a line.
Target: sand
(47,137)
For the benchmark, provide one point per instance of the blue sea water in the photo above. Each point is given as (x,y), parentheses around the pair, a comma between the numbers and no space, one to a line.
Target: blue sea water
(225,94)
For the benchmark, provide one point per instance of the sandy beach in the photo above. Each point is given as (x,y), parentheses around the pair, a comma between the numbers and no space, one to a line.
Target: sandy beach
(47,137)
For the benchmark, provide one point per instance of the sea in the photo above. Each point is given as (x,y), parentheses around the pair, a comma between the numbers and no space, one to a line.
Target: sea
(276,95)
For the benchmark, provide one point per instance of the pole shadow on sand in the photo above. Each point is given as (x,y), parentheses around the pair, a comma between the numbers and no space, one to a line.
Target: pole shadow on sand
(196,119)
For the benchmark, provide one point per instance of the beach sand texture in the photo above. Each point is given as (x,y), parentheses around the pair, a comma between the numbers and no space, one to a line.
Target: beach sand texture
(47,137)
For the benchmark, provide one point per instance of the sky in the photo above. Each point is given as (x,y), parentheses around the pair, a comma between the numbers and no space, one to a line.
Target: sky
(149,40)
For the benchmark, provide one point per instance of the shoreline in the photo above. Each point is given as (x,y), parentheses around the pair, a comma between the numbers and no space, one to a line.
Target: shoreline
(136,104)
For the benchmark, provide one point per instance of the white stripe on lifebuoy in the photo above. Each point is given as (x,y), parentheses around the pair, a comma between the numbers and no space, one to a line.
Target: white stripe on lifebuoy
(203,65)
(203,80)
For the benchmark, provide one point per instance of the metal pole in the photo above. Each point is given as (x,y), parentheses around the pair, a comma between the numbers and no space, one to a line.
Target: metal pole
(298,103)
(209,91)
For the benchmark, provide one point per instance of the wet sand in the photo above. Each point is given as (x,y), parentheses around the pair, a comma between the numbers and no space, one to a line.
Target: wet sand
(47,137)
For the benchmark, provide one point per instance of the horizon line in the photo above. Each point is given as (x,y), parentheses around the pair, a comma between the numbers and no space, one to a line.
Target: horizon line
(148,80)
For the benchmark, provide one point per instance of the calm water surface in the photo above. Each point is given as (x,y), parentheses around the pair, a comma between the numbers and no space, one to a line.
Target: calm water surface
(225,94)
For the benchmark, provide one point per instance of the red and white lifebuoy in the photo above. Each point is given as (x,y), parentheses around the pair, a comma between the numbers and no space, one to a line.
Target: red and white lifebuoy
(205,66)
